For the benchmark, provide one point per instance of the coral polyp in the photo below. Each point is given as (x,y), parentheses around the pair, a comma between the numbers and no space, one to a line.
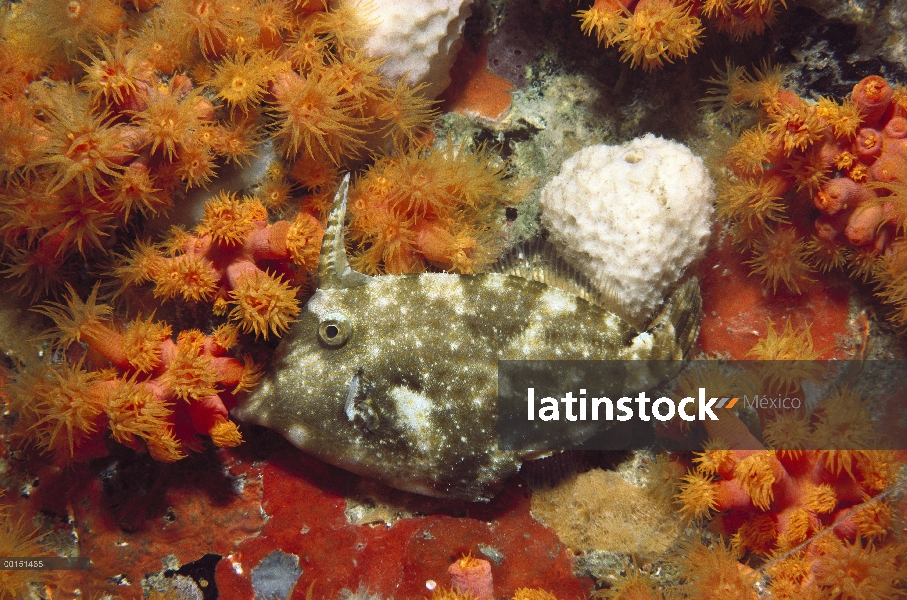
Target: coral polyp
(316,116)
(241,81)
(82,147)
(168,120)
(645,40)
(781,258)
(263,303)
(117,76)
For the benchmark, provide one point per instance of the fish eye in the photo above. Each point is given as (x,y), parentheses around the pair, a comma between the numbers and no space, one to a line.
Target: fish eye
(334,330)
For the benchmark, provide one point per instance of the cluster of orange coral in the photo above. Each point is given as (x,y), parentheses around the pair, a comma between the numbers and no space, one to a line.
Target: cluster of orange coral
(442,208)
(808,504)
(79,167)
(109,114)
(827,568)
(137,384)
(831,568)
(815,501)
(817,186)
(649,33)
(164,99)
(776,500)
(226,261)
(814,471)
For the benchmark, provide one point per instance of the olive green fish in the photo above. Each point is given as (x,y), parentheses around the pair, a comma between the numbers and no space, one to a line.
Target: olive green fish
(394,377)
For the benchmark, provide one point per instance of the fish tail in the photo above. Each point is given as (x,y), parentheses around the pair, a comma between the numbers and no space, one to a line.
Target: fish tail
(682,313)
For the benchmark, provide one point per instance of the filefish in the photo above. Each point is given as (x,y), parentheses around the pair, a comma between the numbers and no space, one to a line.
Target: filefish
(394,377)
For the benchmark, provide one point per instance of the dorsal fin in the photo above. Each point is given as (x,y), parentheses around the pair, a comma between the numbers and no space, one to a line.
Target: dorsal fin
(538,261)
(334,271)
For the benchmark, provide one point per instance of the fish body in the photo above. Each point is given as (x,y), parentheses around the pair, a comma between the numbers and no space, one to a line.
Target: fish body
(395,377)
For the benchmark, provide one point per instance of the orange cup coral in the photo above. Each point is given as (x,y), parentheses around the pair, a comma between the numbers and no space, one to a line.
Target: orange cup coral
(650,33)
(440,208)
(148,390)
(816,186)
(220,263)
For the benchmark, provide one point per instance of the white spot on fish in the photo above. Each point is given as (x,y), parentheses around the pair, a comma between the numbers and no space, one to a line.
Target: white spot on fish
(297,434)
(414,410)
(495,282)
(643,344)
(351,391)
(556,301)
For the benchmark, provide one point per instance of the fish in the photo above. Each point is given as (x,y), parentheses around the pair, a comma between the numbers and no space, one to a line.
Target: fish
(394,377)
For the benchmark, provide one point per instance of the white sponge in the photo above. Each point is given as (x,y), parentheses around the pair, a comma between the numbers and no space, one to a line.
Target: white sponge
(632,217)
(420,38)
